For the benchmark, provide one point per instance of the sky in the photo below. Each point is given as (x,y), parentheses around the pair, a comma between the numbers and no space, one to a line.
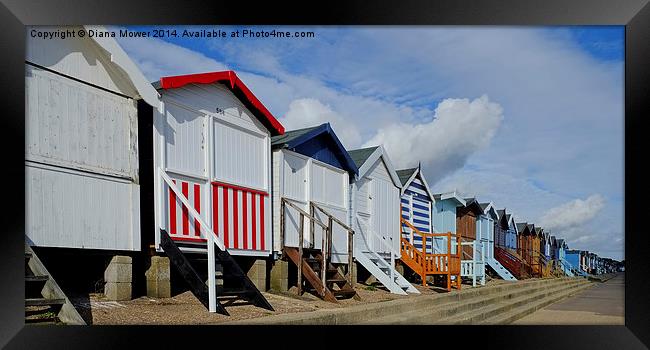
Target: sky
(529,118)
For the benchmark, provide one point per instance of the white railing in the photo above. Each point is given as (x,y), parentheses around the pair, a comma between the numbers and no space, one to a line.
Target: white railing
(206,232)
(385,245)
(474,267)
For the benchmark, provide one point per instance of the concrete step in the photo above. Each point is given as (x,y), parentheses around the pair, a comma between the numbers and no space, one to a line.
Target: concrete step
(365,312)
(526,309)
(438,311)
(480,314)
(392,308)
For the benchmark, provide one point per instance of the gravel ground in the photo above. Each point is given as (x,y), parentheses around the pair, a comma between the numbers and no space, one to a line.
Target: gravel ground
(186,309)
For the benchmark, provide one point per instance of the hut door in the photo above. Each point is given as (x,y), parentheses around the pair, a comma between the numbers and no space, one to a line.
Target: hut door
(295,188)
(363,208)
(382,214)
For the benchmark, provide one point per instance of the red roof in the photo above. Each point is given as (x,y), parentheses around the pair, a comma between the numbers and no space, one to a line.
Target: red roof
(238,88)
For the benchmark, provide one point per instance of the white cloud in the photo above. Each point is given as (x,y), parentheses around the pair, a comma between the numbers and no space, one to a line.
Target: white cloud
(308,112)
(573,214)
(459,128)
(157,58)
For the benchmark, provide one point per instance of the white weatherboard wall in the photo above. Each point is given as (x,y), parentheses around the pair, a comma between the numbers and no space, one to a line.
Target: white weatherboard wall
(303,179)
(205,135)
(376,208)
(81,151)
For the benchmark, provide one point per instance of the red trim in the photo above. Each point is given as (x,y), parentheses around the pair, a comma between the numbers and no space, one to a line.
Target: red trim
(215,210)
(197,206)
(239,188)
(235,218)
(244,205)
(188,239)
(172,211)
(254,220)
(262,223)
(236,85)
(186,221)
(225,217)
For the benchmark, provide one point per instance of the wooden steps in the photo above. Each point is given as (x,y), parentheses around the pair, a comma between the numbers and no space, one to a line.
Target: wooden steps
(36,278)
(235,282)
(425,264)
(45,302)
(336,286)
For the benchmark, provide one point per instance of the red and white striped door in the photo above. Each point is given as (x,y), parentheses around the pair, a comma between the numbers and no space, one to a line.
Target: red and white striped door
(239,215)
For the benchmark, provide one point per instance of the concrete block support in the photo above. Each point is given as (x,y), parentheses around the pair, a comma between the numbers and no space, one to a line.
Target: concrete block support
(158,281)
(118,277)
(257,274)
(280,276)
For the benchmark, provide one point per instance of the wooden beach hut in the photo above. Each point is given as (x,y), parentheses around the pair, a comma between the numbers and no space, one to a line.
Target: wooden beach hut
(212,158)
(486,225)
(311,175)
(86,105)
(417,225)
(473,251)
(375,217)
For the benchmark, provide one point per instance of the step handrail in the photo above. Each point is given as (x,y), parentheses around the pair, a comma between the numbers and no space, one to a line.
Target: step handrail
(284,201)
(382,240)
(331,219)
(192,212)
(210,236)
(424,235)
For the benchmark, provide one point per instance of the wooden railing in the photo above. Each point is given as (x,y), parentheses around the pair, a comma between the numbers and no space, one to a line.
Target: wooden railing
(429,263)
(331,219)
(301,239)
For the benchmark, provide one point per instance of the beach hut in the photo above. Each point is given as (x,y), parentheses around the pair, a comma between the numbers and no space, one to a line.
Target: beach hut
(525,238)
(416,216)
(507,254)
(559,253)
(311,178)
(574,261)
(473,251)
(375,217)
(444,220)
(486,226)
(84,100)
(511,235)
(85,104)
(500,229)
(212,157)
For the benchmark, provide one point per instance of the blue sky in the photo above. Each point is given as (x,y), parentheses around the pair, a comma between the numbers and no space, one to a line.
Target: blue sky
(530,118)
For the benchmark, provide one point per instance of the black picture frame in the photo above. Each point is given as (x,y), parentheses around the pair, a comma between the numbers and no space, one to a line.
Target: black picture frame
(634,14)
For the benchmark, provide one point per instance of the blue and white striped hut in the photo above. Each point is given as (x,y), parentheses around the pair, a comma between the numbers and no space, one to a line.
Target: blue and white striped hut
(416,204)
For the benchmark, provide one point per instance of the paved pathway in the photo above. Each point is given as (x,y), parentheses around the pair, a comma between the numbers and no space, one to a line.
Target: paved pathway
(603,303)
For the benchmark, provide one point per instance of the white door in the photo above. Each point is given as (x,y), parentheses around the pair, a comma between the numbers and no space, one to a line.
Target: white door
(382,203)
(363,225)
(294,181)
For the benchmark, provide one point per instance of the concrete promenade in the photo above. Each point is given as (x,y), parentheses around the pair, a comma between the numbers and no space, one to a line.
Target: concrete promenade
(601,304)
